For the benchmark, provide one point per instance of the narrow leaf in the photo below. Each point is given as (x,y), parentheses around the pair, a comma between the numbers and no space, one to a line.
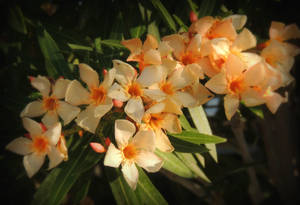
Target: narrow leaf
(187,147)
(180,23)
(165,14)
(147,192)
(200,120)
(257,111)
(198,138)
(175,165)
(16,20)
(206,8)
(79,47)
(123,194)
(57,65)
(113,43)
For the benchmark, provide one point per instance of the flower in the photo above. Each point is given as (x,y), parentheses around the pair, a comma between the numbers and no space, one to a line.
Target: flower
(133,89)
(42,143)
(146,54)
(50,104)
(132,150)
(99,103)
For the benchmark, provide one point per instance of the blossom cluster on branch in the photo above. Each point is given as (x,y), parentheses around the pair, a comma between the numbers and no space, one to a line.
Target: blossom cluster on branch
(168,78)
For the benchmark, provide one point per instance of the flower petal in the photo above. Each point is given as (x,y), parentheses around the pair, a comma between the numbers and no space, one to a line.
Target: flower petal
(42,84)
(135,109)
(87,119)
(32,127)
(149,161)
(218,83)
(118,92)
(152,57)
(244,41)
(181,78)
(130,174)
(155,94)
(113,156)
(150,43)
(33,109)
(255,74)
(53,133)
(76,94)
(252,98)
(88,75)
(238,21)
(177,44)
(125,73)
(20,145)
(234,66)
(124,130)
(33,163)
(60,87)
(109,78)
(162,141)
(171,123)
(50,118)
(145,140)
(150,75)
(273,101)
(185,98)
(102,109)
(55,157)
(67,111)
(231,104)
(134,45)
(195,44)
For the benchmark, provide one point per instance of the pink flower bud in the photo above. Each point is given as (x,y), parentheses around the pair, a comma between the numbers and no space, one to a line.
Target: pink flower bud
(30,78)
(107,141)
(44,128)
(117,103)
(104,71)
(193,16)
(97,147)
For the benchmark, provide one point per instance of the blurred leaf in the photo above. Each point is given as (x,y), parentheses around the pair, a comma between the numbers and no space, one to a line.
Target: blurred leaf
(165,14)
(81,188)
(123,194)
(113,43)
(187,147)
(55,63)
(200,120)
(175,165)
(185,123)
(180,23)
(257,110)
(206,8)
(189,160)
(79,47)
(147,192)
(193,6)
(60,180)
(198,138)
(153,30)
(97,43)
(16,20)
(137,31)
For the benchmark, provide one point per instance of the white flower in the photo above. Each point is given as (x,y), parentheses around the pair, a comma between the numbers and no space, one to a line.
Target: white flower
(50,104)
(96,98)
(138,149)
(42,143)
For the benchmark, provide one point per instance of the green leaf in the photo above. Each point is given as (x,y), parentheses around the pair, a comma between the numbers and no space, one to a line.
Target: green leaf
(123,194)
(180,23)
(79,47)
(113,44)
(16,20)
(206,8)
(189,160)
(147,192)
(200,120)
(198,138)
(81,188)
(193,6)
(56,65)
(153,30)
(185,123)
(187,147)
(60,180)
(175,165)
(165,14)
(137,31)
(257,110)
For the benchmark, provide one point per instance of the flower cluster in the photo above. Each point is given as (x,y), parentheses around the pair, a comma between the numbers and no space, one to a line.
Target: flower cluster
(168,78)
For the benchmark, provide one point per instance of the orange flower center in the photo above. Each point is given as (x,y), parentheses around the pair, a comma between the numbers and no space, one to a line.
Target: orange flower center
(210,33)
(167,88)
(188,58)
(135,90)
(271,60)
(40,144)
(98,95)
(50,103)
(236,86)
(156,120)
(129,152)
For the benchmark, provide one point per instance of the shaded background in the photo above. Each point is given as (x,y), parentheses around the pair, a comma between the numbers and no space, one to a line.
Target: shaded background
(273,142)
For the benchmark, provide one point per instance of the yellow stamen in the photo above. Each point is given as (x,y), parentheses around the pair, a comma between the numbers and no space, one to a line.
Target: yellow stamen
(237,85)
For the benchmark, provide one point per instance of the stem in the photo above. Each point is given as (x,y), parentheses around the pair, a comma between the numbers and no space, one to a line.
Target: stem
(237,126)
